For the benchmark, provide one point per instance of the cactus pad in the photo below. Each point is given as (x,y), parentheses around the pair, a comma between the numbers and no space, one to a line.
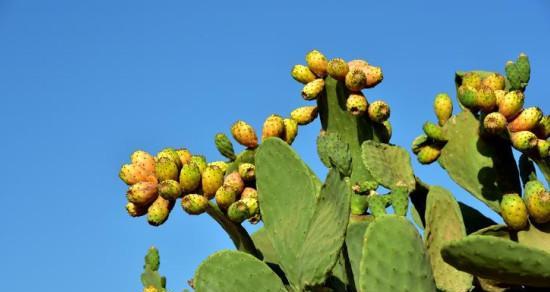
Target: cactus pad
(389,165)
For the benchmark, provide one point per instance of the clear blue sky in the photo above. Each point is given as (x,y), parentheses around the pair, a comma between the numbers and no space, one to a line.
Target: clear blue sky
(83,83)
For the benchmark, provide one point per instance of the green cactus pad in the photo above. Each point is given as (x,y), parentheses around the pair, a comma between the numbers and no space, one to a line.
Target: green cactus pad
(152,259)
(394,258)
(236,271)
(389,165)
(443,224)
(246,156)
(334,152)
(263,244)
(499,259)
(485,167)
(354,243)
(536,236)
(152,278)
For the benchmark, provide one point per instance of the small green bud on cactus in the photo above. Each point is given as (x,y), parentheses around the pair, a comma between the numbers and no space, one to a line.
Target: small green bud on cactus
(543,148)
(428,154)
(273,127)
(494,123)
(184,155)
(244,134)
(537,200)
(291,130)
(486,100)
(356,104)
(194,204)
(374,76)
(249,192)
(543,128)
(494,81)
(526,120)
(142,193)
(443,108)
(212,180)
(234,181)
(359,204)
(247,171)
(171,154)
(238,212)
(132,174)
(523,140)
(511,104)
(169,189)
(471,79)
(317,63)
(302,74)
(152,259)
(224,146)
(338,69)
(200,161)
(158,212)
(220,164)
(419,142)
(144,160)
(378,111)
(400,201)
(524,68)
(513,75)
(434,132)
(304,115)
(313,89)
(355,80)
(190,177)
(467,95)
(166,169)
(514,211)
(135,210)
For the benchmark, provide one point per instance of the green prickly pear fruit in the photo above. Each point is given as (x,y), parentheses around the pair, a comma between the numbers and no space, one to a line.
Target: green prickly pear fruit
(524,68)
(356,104)
(543,148)
(190,178)
(132,174)
(291,130)
(142,193)
(499,96)
(169,189)
(158,212)
(194,204)
(135,210)
(523,140)
(220,164)
(249,192)
(152,259)
(359,204)
(317,63)
(253,206)
(374,76)
(338,69)
(526,120)
(238,212)
(234,181)
(244,134)
(443,108)
(537,200)
(543,128)
(471,79)
(514,211)
(400,200)
(200,161)
(166,169)
(225,196)
(513,75)
(212,180)
(184,155)
(486,100)
(377,205)
(434,132)
(494,123)
(533,187)
(302,74)
(494,81)
(274,126)
(428,154)
(247,171)
(511,104)
(355,80)
(313,89)
(467,96)
(144,160)
(224,146)
(171,154)
(378,111)
(304,115)
(419,142)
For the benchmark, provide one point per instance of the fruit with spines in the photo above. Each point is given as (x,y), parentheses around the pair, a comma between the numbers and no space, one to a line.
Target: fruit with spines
(224,146)
(419,142)
(513,75)
(247,171)
(523,140)
(200,161)
(142,193)
(166,169)
(190,178)
(132,174)
(499,96)
(253,206)
(511,104)
(234,181)
(317,63)
(378,111)
(211,181)
(244,134)
(526,120)
(486,100)
(169,189)
(238,212)
(537,199)
(428,154)
(313,89)
(543,148)
(273,127)
(443,108)
(494,123)
(158,212)
(150,289)
(355,80)
(543,127)
(171,154)
(374,76)
(220,164)
(338,69)
(135,210)
(494,81)
(304,115)
(144,160)
(302,74)
(194,204)
(467,96)
(249,192)
(291,130)
(471,79)
(434,132)
(184,155)
(356,104)
(524,69)
(358,65)
(514,211)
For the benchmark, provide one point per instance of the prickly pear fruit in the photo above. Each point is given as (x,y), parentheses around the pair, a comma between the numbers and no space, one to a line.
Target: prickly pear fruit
(317,63)
(194,204)
(514,211)
(511,104)
(523,140)
(169,189)
(190,177)
(359,204)
(238,212)
(374,76)
(150,289)
(400,200)
(249,192)
(225,196)
(132,173)
(419,142)
(144,160)
(220,164)
(467,96)
(537,200)
(252,204)
(443,108)
(304,115)
(244,134)
(543,148)
(184,155)
(358,65)
(166,169)
(494,81)
(171,154)
(142,193)
(513,75)
(152,259)
(533,187)
(273,127)
(471,79)
(312,89)
(247,171)
(524,68)
(486,100)
(356,104)
(428,154)
(158,212)
(526,120)
(212,179)
(499,95)
(234,181)
(377,205)
(200,161)
(494,123)
(543,128)
(302,74)
(291,130)
(224,146)
(355,80)
(135,210)
(338,69)
(378,111)
(434,132)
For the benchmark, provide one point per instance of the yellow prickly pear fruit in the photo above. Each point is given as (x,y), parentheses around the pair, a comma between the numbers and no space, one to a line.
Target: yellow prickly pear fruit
(514,211)
(171,154)
(169,189)
(537,200)
(247,171)
(220,164)
(144,160)
(200,161)
(511,104)
(158,212)
(166,169)
(523,140)
(443,108)
(150,289)
(225,196)
(142,193)
(190,177)
(317,63)
(132,173)
(253,206)
(291,130)
(194,204)
(302,74)
(543,148)
(486,100)
(234,181)
(357,104)
(304,115)
(249,192)
(135,210)
(374,76)
(472,79)
(543,128)
(312,89)
(428,154)
(378,111)
(184,155)
(494,123)
(212,179)
(338,69)
(274,126)
(244,134)
(494,81)
(499,96)
(355,80)
(526,120)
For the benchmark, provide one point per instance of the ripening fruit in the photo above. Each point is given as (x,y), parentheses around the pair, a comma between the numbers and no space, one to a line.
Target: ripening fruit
(467,96)
(253,206)
(238,212)
(166,169)
(158,212)
(135,210)
(543,148)
(200,161)
(291,130)
(499,96)
(249,192)
(471,79)
(537,200)
(543,128)
(514,211)
(304,115)
(511,104)
(486,100)
(494,81)
(357,104)
(313,89)
(419,142)
(434,132)
(235,181)
(378,111)
(374,76)
(132,173)
(169,189)
(302,74)
(443,108)
(220,164)
(171,154)
(338,69)
(494,123)
(247,171)
(225,196)
(184,155)
(523,140)
(190,178)
(526,120)
(194,204)
(358,65)
(224,146)
(317,63)
(273,127)
(355,80)
(150,289)
(428,154)
(212,180)
(244,134)
(144,160)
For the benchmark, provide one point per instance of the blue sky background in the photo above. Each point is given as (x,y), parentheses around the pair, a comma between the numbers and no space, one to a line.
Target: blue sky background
(84,83)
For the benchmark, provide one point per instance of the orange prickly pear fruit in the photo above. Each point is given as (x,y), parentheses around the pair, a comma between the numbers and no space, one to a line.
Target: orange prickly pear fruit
(291,130)
(194,204)
(158,212)
(249,192)
(144,160)
(514,211)
(443,108)
(190,177)
(338,69)
(357,104)
(494,123)
(374,76)
(317,63)
(302,74)
(247,171)
(523,140)
(225,196)
(378,111)
(313,89)
(244,134)
(169,189)
(234,181)
(486,100)
(494,81)
(274,126)
(212,179)
(304,115)
(166,169)
(142,193)
(358,65)
(526,120)
(184,155)
(135,210)
(511,104)
(355,80)
(132,173)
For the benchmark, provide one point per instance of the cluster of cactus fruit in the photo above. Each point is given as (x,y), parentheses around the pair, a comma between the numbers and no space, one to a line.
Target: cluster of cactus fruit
(340,234)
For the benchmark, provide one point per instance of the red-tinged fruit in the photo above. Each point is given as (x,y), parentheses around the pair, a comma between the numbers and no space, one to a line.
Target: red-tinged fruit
(355,80)
(273,127)
(247,171)
(142,193)
(244,134)
(234,181)
(144,160)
